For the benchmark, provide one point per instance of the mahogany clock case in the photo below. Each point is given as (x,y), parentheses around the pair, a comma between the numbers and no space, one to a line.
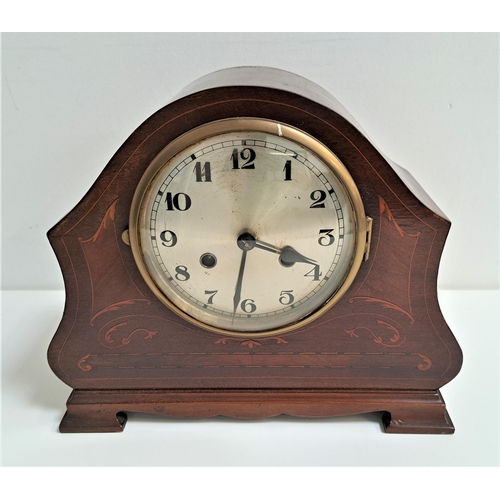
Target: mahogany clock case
(384,346)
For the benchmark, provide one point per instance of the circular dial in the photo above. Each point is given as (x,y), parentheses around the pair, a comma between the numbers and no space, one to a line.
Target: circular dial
(247,225)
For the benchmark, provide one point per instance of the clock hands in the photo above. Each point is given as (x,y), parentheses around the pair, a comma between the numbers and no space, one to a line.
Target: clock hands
(237,292)
(288,255)
(245,242)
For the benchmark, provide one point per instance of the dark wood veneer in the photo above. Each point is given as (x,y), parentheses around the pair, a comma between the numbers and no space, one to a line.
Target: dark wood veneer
(384,347)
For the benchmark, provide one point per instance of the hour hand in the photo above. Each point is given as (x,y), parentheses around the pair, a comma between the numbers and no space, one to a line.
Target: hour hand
(287,255)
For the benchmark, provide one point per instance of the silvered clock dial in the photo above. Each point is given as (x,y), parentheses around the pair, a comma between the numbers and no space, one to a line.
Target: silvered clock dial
(248,225)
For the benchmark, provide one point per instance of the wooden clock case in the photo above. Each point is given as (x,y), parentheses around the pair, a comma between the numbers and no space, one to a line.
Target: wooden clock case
(384,347)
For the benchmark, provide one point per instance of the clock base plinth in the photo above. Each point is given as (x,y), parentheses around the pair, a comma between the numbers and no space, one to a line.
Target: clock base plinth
(80,418)
(404,420)
(410,412)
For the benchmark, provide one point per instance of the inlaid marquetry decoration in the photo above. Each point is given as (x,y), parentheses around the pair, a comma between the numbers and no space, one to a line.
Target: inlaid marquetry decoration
(106,269)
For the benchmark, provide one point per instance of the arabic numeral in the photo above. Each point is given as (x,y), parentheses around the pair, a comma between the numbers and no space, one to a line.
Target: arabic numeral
(179,201)
(203,173)
(315,273)
(328,238)
(246,154)
(288,170)
(248,306)
(181,273)
(286,297)
(318,197)
(168,238)
(212,295)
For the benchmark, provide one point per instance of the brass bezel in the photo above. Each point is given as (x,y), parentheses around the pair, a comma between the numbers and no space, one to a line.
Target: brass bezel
(274,128)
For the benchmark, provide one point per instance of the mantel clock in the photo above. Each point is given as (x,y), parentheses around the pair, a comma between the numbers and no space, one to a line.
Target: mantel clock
(248,252)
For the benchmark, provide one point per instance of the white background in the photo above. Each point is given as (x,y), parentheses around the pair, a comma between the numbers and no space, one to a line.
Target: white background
(427,101)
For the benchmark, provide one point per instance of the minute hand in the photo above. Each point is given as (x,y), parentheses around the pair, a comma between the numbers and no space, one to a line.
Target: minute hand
(237,291)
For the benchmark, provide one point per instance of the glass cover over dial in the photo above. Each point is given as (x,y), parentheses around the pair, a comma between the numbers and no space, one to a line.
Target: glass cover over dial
(247,226)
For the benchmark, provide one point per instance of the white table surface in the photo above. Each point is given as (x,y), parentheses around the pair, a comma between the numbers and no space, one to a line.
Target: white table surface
(33,403)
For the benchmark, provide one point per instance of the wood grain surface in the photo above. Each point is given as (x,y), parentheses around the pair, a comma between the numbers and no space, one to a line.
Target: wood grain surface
(387,332)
